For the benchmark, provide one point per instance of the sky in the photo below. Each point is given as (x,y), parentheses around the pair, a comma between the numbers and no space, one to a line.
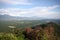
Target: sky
(31,8)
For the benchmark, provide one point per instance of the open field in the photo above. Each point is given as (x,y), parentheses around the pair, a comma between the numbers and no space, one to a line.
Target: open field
(4,25)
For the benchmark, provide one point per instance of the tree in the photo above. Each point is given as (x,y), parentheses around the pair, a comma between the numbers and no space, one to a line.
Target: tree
(7,36)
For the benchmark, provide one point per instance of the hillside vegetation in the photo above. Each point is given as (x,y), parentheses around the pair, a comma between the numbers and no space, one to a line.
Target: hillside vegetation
(46,31)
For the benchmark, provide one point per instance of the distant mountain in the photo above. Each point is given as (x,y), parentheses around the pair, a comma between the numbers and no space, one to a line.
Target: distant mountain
(7,17)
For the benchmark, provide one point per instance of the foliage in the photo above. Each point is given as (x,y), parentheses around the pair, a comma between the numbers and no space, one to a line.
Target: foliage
(7,36)
(48,31)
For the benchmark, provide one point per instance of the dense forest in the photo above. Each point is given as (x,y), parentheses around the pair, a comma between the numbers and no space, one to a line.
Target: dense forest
(46,31)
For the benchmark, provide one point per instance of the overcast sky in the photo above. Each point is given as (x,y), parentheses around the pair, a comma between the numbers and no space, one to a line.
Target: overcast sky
(31,8)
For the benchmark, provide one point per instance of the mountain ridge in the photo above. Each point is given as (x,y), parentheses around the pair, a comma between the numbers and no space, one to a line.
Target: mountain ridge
(8,17)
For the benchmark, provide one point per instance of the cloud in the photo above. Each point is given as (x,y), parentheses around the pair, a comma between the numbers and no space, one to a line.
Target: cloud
(15,2)
(46,12)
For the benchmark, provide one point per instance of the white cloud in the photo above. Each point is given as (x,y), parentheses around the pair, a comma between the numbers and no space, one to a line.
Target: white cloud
(53,15)
(14,2)
(36,11)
